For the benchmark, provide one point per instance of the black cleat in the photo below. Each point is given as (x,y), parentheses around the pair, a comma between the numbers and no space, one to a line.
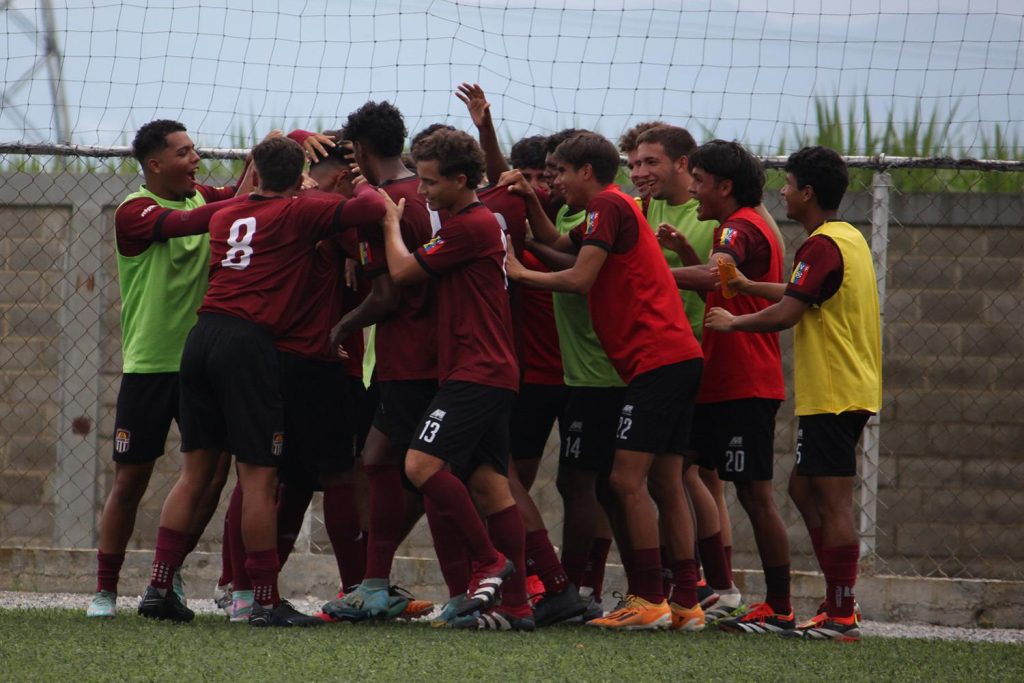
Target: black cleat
(164,607)
(282,615)
(555,608)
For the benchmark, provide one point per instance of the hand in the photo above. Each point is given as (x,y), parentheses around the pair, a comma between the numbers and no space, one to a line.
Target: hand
(516,183)
(357,176)
(705,277)
(342,353)
(513,268)
(472,95)
(308,183)
(315,146)
(351,274)
(719,319)
(738,283)
(669,238)
(393,212)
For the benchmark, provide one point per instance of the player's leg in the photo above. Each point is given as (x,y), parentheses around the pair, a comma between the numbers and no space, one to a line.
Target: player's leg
(709,475)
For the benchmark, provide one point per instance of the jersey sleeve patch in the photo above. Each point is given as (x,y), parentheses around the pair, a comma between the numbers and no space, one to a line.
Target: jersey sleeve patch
(728,237)
(435,243)
(593,218)
(800,273)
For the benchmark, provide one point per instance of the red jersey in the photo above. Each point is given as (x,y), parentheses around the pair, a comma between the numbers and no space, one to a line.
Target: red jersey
(141,221)
(634,302)
(541,357)
(406,341)
(261,251)
(474,322)
(747,365)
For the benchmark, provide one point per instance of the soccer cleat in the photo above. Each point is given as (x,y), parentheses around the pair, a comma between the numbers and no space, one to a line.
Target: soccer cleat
(178,586)
(284,615)
(729,604)
(486,582)
(371,598)
(535,589)
(637,615)
(823,608)
(164,607)
(447,613)
(241,605)
(689,620)
(103,604)
(554,608)
(824,627)
(498,618)
(222,598)
(413,608)
(760,618)
(706,595)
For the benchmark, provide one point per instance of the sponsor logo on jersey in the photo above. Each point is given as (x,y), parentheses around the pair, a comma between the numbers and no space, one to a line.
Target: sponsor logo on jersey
(592,219)
(728,237)
(434,244)
(277,444)
(736,442)
(800,273)
(149,209)
(627,409)
(122,440)
(438,415)
(576,426)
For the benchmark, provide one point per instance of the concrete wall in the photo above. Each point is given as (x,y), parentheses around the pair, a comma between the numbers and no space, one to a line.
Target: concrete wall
(951,486)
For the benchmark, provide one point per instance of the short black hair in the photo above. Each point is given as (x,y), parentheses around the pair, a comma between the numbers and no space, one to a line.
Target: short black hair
(152,137)
(279,162)
(335,155)
(628,140)
(555,139)
(429,130)
(731,161)
(379,126)
(677,142)
(824,170)
(455,152)
(593,149)
(529,152)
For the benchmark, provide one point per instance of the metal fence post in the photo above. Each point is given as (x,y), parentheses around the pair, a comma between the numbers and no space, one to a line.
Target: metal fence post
(881,185)
(75,478)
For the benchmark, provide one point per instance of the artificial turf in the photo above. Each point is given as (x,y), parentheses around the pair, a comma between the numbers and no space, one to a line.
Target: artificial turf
(62,645)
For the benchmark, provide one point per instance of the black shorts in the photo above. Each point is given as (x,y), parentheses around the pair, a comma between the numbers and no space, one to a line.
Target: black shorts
(146,404)
(231,391)
(737,436)
(401,408)
(466,425)
(826,444)
(658,408)
(591,416)
(533,415)
(364,401)
(317,419)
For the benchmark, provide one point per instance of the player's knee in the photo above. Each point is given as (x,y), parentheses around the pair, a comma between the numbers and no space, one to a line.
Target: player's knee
(625,484)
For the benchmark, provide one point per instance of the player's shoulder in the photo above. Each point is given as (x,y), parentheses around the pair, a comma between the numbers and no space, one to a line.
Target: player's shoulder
(134,209)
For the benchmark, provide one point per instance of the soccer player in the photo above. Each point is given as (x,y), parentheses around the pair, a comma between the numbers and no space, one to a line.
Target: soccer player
(742,387)
(628,145)
(162,261)
(260,256)
(832,300)
(528,157)
(639,319)
(464,433)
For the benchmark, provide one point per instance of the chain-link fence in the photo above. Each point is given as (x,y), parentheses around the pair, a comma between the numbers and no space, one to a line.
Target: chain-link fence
(942,475)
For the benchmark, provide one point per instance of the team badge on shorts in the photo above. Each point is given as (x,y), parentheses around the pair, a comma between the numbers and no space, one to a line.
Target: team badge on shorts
(122,440)
(277,444)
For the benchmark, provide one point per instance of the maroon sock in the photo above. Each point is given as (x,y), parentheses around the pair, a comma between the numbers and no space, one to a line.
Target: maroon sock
(727,549)
(193,542)
(839,564)
(262,567)
(451,500)
(626,555)
(108,570)
(815,534)
(575,565)
(225,556)
(239,578)
(684,583)
(292,502)
(451,553)
(542,561)
(666,571)
(776,581)
(509,536)
(170,553)
(646,577)
(596,563)
(341,518)
(712,558)
(387,518)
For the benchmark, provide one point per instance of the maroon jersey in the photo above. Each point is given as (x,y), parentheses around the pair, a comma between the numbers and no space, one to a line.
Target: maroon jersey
(406,341)
(816,285)
(745,365)
(141,221)
(474,322)
(634,302)
(510,210)
(541,357)
(261,251)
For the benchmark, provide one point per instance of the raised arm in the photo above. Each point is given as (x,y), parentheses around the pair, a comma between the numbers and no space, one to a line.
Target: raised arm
(472,95)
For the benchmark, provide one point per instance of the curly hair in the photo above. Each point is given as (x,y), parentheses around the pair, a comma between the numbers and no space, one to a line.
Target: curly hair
(731,161)
(593,149)
(824,170)
(455,152)
(432,128)
(279,162)
(529,152)
(152,137)
(379,126)
(628,140)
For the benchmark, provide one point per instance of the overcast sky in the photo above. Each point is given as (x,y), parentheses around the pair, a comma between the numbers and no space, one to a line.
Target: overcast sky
(745,69)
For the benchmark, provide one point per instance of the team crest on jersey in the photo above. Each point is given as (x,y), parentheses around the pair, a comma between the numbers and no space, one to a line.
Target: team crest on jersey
(122,440)
(277,444)
(434,244)
(592,218)
(800,273)
(728,237)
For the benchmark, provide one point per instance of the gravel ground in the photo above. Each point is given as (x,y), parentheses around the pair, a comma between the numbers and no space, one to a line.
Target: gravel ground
(12,600)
